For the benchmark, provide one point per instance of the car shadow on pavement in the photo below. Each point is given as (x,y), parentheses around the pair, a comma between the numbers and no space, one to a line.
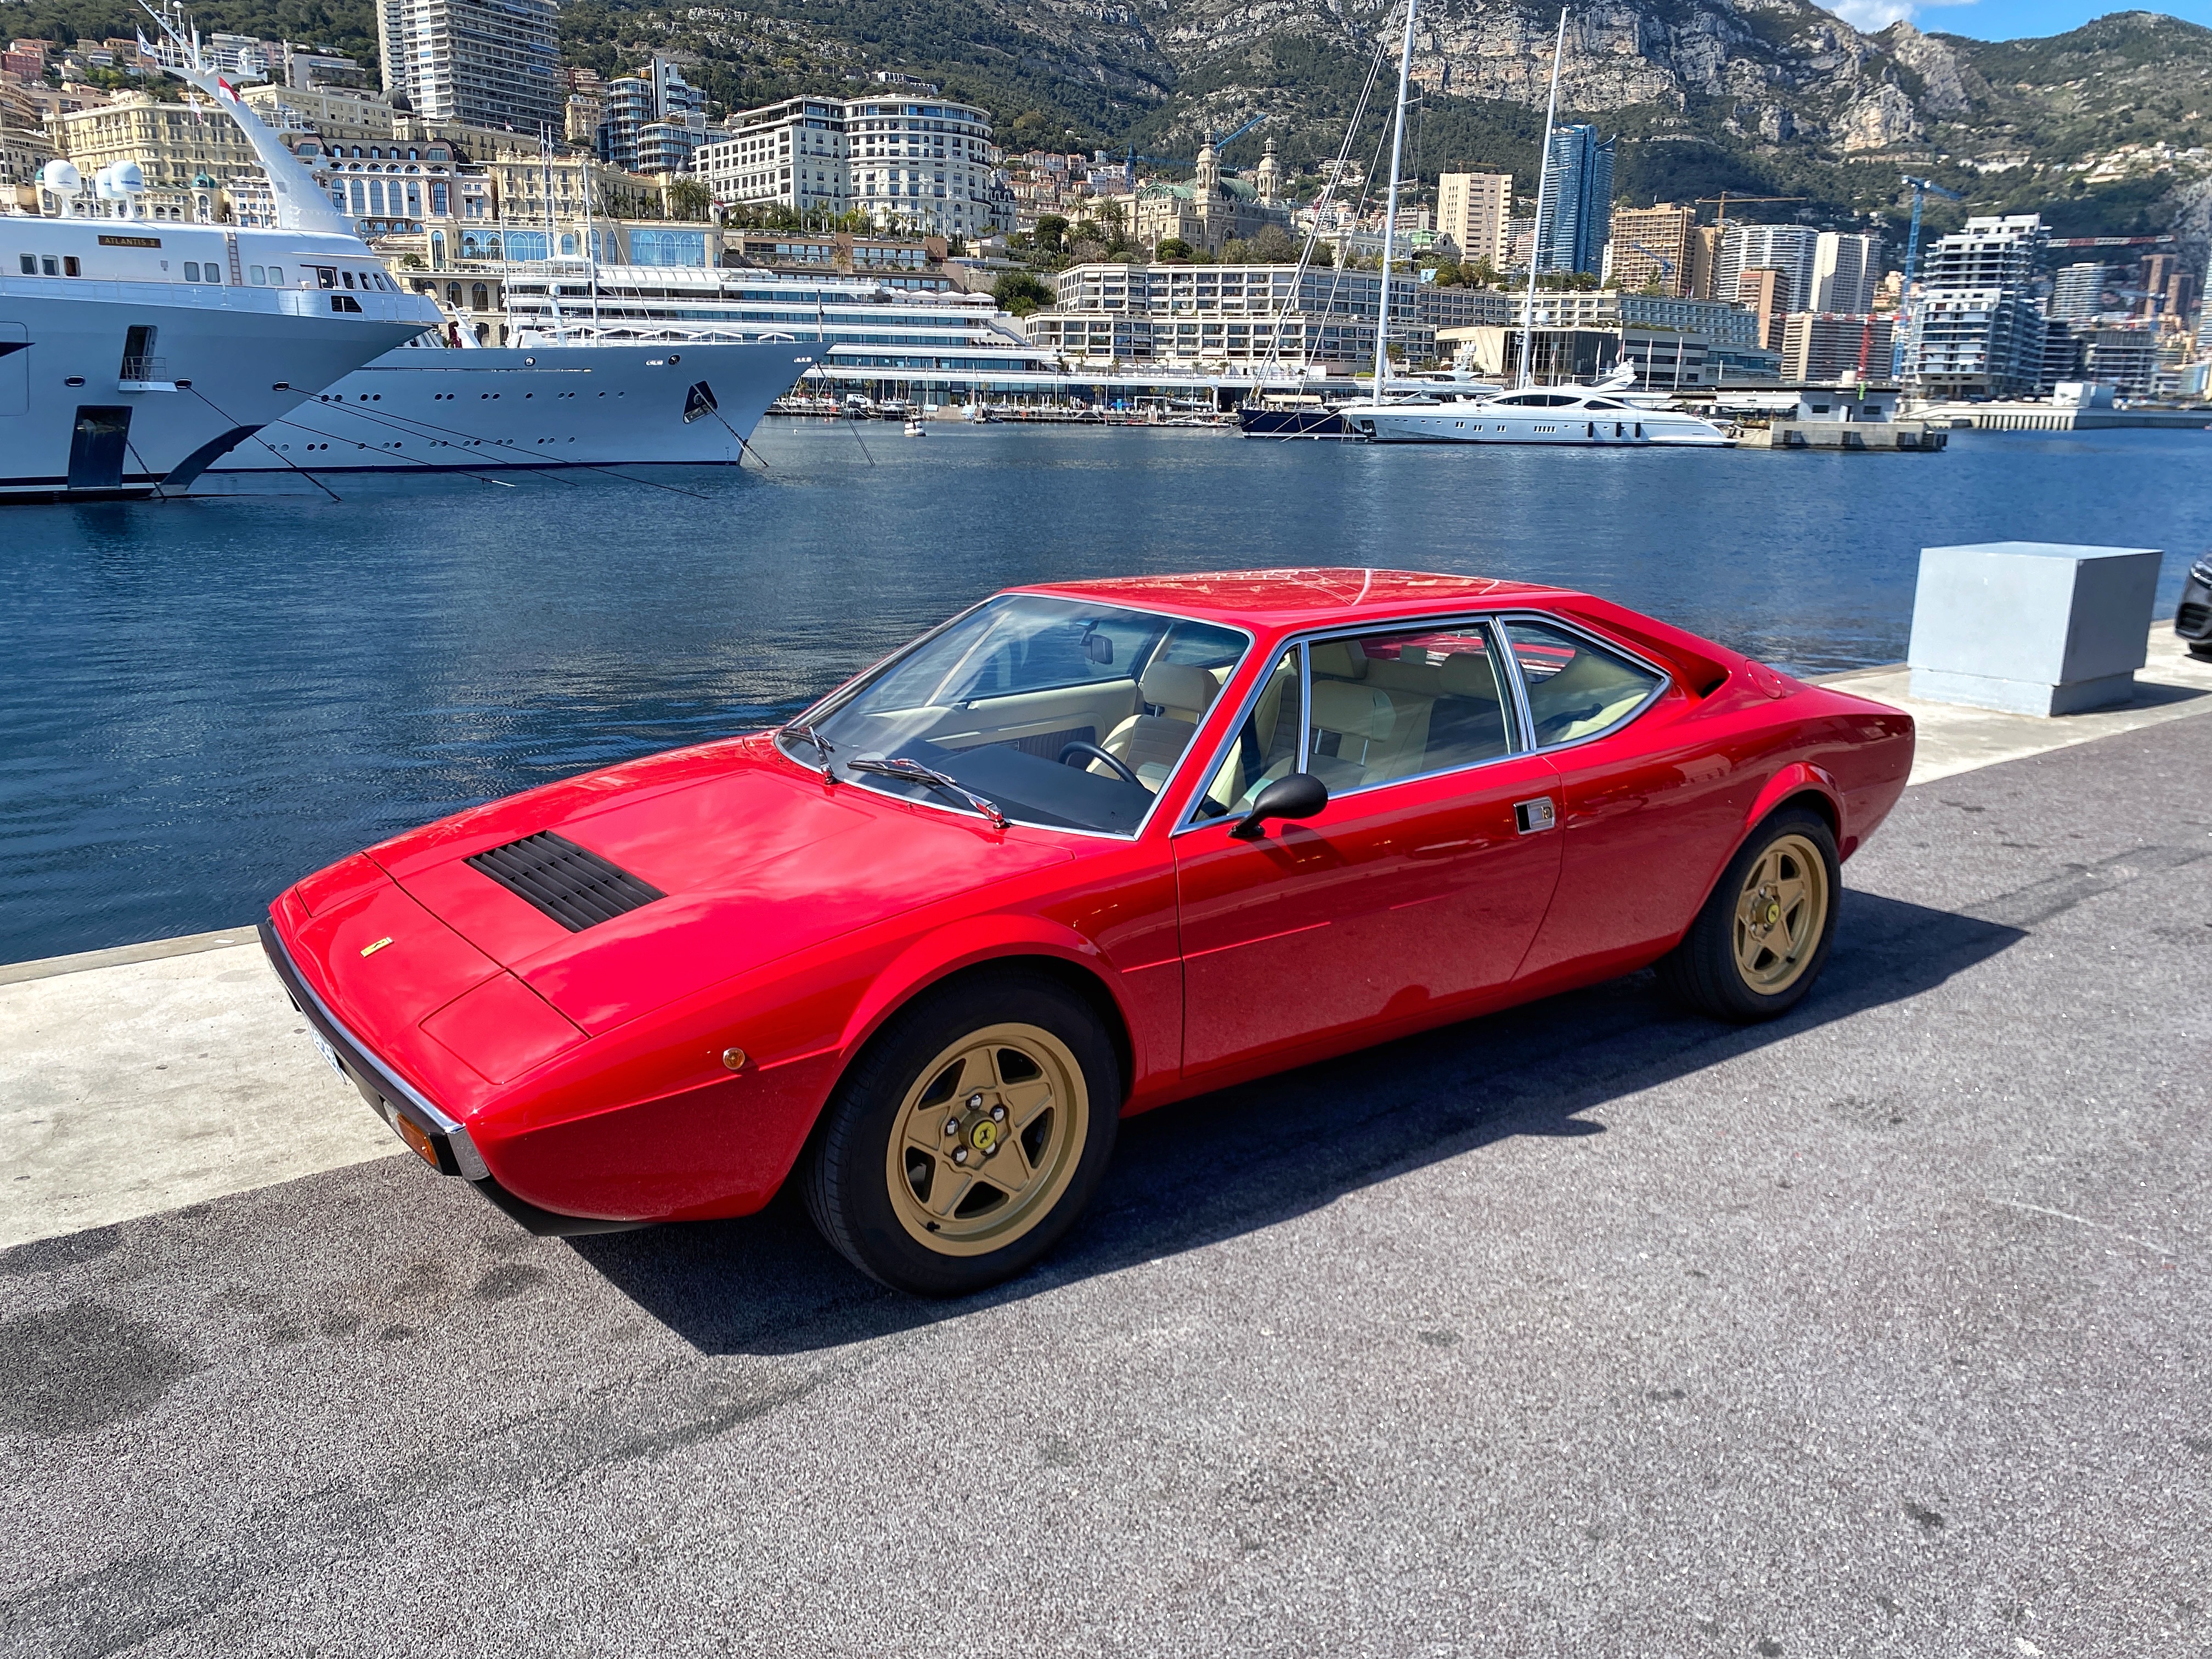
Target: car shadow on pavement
(1247,1157)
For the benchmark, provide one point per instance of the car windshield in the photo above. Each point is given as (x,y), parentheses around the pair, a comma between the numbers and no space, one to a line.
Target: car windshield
(1054,712)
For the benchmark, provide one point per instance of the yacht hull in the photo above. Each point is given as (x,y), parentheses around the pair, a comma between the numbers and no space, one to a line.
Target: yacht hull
(230,361)
(1475,425)
(427,409)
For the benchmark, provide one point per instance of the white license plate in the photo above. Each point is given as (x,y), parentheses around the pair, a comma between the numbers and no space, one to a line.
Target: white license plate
(329,1054)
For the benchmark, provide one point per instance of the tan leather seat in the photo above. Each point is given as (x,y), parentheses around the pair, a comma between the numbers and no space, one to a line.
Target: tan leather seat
(1151,744)
(1587,696)
(1351,725)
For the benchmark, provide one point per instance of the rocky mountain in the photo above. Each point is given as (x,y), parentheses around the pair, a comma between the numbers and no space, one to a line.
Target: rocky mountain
(2103,128)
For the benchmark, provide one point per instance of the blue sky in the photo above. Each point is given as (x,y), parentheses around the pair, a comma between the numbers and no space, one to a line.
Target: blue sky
(2002,20)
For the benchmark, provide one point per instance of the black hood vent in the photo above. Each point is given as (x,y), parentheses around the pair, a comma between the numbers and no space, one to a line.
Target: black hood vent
(577,888)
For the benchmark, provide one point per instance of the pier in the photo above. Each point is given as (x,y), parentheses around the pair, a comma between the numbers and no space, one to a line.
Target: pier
(1673,1287)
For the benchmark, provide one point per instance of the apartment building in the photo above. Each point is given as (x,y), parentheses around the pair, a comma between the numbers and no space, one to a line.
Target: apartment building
(1230,315)
(485,63)
(652,120)
(1787,250)
(1973,330)
(927,167)
(1474,210)
(1650,247)
(1822,347)
(1575,211)
(1846,270)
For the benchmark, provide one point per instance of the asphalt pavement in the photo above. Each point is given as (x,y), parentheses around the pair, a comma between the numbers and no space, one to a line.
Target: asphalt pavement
(1591,1329)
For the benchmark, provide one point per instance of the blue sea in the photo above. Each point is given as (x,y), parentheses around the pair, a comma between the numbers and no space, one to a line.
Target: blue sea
(201,700)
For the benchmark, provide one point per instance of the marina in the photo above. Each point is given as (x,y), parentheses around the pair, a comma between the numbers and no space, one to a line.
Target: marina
(523,633)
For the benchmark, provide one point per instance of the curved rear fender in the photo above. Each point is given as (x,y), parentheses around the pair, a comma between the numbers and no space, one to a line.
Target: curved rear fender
(1798,778)
(976,944)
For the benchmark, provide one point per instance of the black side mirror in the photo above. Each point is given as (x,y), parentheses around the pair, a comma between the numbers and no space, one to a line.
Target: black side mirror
(1297,796)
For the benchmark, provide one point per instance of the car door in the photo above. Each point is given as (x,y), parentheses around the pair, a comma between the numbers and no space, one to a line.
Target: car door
(1650,797)
(1416,890)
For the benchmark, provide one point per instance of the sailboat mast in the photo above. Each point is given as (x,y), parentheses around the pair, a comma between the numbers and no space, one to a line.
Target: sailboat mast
(1543,184)
(1390,213)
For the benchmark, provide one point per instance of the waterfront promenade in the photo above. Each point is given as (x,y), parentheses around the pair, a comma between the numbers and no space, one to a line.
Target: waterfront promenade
(1593,1327)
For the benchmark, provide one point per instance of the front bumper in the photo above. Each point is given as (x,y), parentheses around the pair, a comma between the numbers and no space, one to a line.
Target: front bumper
(2192,618)
(391,1098)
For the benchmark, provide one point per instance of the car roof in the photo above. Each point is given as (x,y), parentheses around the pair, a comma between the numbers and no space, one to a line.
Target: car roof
(1301,597)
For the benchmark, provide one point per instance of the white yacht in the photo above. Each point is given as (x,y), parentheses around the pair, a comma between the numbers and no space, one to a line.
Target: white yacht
(135,352)
(543,401)
(1552,415)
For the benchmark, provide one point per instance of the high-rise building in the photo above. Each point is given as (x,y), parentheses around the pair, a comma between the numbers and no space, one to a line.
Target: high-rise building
(482,63)
(1972,332)
(653,120)
(925,168)
(2122,355)
(1651,245)
(1846,265)
(1576,207)
(1705,262)
(1760,289)
(1825,347)
(1474,209)
(1787,249)
(2158,271)
(2077,293)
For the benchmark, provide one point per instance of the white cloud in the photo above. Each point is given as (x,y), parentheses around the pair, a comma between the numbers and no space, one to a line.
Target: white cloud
(1867,16)
(1870,16)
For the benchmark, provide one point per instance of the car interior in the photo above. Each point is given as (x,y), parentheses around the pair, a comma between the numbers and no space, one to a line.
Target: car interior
(1575,689)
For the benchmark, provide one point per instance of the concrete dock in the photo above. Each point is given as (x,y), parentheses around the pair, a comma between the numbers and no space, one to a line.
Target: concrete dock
(1593,1328)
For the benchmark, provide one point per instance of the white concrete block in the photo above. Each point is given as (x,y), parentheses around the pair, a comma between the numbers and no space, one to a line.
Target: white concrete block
(2030,628)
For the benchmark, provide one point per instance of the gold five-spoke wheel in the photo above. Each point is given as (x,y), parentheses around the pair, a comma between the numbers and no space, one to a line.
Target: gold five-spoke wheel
(1781,914)
(987,1139)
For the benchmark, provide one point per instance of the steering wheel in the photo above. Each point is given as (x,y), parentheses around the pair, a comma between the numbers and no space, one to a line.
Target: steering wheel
(1092,751)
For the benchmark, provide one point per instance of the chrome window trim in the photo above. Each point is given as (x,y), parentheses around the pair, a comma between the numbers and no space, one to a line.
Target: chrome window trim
(1553,619)
(823,707)
(1520,728)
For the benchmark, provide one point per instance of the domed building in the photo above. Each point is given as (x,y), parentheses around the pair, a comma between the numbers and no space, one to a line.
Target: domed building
(1213,208)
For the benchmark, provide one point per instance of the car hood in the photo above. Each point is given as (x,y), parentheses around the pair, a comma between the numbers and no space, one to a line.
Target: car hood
(755,857)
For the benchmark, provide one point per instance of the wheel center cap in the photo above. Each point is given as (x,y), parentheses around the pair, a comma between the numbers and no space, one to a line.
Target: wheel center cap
(1772,913)
(983,1135)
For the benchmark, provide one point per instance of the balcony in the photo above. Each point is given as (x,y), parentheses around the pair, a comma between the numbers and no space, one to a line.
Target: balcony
(144,374)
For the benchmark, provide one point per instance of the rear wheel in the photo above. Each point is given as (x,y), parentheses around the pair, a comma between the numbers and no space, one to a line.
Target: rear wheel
(968,1136)
(1764,936)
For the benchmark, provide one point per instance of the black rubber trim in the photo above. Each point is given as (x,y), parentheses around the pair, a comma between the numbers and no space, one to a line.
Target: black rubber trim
(573,885)
(549,1223)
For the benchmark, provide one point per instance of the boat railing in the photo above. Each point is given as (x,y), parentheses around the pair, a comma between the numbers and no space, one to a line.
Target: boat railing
(145,368)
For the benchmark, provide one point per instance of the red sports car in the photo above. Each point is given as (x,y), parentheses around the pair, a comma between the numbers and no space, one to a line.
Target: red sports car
(1087,848)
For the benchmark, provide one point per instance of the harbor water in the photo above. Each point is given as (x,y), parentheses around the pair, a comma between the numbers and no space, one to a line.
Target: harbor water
(201,700)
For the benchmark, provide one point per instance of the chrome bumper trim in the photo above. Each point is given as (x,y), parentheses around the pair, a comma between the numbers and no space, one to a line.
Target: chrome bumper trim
(387,1092)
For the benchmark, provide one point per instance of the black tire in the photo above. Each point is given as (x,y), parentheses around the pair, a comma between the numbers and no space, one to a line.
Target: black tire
(1707,971)
(2200,649)
(847,1183)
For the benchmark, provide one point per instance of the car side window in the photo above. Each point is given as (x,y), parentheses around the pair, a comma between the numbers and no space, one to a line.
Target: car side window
(1405,704)
(1576,688)
(1265,747)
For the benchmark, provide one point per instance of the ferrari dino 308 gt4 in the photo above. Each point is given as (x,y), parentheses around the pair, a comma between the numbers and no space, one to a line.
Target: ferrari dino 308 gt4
(1085,849)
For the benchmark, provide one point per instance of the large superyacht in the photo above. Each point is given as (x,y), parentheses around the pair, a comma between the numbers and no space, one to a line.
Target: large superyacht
(135,352)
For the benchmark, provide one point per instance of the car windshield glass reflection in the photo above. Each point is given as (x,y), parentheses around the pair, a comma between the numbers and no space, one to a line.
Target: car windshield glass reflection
(1057,713)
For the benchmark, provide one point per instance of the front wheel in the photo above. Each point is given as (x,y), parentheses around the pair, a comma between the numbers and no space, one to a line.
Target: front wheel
(968,1137)
(1764,936)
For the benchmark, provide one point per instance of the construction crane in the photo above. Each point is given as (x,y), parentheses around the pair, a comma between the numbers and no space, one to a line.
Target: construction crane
(1666,265)
(2107,241)
(1922,190)
(1218,144)
(1720,221)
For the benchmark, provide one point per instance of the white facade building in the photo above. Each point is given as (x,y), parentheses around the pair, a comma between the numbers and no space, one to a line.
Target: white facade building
(482,63)
(1846,267)
(1973,332)
(925,167)
(1789,249)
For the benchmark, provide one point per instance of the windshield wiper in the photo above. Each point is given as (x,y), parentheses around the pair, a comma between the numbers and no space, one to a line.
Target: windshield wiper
(805,733)
(915,772)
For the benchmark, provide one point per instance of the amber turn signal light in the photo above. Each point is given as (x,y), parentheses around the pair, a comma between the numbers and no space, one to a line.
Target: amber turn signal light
(413,1133)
